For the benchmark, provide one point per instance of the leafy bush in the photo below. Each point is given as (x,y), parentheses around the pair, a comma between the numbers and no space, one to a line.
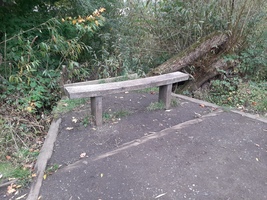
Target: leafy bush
(31,67)
(249,96)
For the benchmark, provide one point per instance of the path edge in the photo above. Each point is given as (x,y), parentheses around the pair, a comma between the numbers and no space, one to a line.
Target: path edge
(255,117)
(42,159)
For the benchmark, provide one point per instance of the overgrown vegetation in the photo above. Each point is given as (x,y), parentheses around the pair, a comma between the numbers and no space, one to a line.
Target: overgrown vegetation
(100,39)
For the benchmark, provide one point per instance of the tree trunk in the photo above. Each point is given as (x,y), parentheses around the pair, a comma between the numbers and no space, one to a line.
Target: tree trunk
(209,44)
(202,60)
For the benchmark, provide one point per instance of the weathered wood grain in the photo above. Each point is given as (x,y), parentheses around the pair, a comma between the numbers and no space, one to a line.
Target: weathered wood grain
(96,110)
(82,91)
(165,95)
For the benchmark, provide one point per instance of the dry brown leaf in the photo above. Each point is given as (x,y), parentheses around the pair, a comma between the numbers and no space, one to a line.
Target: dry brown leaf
(8,157)
(10,189)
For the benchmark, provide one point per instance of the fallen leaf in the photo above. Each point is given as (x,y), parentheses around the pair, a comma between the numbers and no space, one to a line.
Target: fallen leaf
(202,105)
(69,128)
(254,103)
(65,104)
(18,186)
(10,189)
(8,157)
(45,176)
(82,155)
(74,120)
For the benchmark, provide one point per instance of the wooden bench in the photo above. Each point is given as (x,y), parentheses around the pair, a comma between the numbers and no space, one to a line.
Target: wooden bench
(96,91)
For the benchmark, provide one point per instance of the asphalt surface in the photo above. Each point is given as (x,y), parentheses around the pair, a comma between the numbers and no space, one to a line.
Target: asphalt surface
(192,151)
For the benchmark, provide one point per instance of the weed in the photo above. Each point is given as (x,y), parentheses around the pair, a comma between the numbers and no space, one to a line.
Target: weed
(86,121)
(156,106)
(107,116)
(52,169)
(175,102)
(8,171)
(121,113)
(67,105)
(149,90)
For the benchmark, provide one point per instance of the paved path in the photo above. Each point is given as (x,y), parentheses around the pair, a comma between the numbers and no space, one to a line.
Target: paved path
(192,151)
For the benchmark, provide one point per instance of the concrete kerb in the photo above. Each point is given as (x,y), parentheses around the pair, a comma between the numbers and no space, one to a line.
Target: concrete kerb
(44,156)
(256,117)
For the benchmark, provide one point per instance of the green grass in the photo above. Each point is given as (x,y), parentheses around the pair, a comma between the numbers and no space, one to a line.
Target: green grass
(67,105)
(86,121)
(156,106)
(149,90)
(175,102)
(7,170)
(115,115)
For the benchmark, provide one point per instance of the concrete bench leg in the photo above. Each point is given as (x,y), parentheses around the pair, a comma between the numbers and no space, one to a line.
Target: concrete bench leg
(96,110)
(165,95)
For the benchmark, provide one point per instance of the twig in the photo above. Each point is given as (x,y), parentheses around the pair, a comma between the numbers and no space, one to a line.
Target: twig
(8,183)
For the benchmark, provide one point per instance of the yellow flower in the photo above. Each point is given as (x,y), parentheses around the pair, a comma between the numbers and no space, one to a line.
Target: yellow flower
(90,18)
(102,10)
(80,20)
(96,13)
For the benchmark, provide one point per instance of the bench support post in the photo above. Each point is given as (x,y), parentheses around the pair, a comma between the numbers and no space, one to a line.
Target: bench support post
(165,95)
(96,110)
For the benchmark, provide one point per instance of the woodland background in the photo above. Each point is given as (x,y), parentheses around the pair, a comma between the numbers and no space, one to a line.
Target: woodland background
(107,38)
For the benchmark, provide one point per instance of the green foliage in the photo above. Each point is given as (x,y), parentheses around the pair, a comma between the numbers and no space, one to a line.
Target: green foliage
(33,65)
(156,106)
(252,61)
(66,105)
(249,96)
(10,171)
(115,115)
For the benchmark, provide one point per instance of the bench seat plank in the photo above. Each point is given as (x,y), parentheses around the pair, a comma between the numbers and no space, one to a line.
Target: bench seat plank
(82,91)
